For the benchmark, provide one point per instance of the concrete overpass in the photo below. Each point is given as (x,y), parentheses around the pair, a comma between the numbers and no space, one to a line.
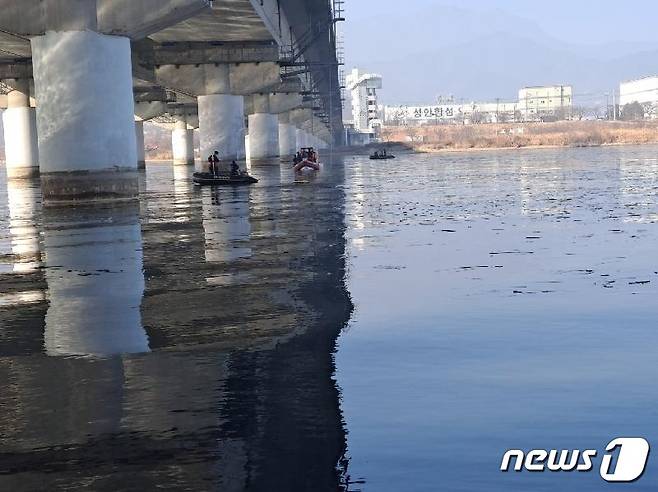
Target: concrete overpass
(81,76)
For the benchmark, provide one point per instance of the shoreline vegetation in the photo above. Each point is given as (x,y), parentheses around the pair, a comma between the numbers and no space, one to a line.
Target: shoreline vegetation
(509,136)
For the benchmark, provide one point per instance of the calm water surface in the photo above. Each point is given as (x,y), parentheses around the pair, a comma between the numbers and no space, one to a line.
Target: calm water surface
(503,301)
(183,342)
(382,326)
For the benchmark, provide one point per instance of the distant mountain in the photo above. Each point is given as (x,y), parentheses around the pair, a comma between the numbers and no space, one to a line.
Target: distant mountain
(476,56)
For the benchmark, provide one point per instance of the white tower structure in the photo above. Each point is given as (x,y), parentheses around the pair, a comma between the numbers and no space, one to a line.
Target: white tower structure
(363,88)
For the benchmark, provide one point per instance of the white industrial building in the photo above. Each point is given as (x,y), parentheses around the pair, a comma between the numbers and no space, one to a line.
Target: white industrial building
(363,89)
(643,91)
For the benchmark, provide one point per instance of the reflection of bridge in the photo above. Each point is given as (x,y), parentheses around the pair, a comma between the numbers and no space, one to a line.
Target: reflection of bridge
(191,352)
(94,67)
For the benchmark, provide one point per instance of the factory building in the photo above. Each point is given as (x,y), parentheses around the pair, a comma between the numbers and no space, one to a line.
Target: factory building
(643,91)
(363,89)
(538,103)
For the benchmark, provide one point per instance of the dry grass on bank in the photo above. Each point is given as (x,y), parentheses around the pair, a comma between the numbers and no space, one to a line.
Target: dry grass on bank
(518,135)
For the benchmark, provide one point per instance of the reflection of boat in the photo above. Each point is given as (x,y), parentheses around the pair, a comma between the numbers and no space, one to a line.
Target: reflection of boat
(223,179)
(378,157)
(306,164)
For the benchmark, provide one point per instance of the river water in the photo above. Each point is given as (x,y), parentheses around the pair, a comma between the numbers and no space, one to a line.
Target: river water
(379,326)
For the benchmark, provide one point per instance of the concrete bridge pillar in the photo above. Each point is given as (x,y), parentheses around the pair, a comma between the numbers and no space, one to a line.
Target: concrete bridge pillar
(221,89)
(145,111)
(247,148)
(221,123)
(300,117)
(20,132)
(299,136)
(263,135)
(287,135)
(139,138)
(85,115)
(263,129)
(182,143)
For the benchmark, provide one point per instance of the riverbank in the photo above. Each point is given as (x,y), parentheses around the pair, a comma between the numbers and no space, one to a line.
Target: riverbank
(458,138)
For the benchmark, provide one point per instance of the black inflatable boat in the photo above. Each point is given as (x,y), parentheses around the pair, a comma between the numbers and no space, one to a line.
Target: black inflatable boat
(222,179)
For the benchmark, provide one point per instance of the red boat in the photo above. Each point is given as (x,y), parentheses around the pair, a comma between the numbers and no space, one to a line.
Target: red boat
(308,160)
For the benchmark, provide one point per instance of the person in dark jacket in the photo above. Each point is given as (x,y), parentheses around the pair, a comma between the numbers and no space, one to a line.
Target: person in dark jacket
(235,169)
(213,163)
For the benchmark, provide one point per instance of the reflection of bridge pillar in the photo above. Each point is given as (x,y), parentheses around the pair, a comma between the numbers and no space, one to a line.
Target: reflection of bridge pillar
(263,129)
(141,151)
(85,114)
(20,131)
(183,187)
(95,281)
(22,197)
(182,143)
(221,122)
(226,225)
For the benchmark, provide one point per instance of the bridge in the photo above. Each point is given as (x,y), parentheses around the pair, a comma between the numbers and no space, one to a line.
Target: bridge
(257,78)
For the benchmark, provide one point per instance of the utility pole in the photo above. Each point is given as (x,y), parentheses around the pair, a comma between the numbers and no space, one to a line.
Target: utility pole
(614,105)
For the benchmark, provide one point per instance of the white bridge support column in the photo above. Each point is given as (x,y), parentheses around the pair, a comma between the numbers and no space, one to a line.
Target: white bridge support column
(301,118)
(20,132)
(85,115)
(182,144)
(263,129)
(221,123)
(263,135)
(141,151)
(299,135)
(287,136)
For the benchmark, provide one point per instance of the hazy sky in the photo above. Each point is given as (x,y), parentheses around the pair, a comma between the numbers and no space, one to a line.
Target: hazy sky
(577,21)
(476,49)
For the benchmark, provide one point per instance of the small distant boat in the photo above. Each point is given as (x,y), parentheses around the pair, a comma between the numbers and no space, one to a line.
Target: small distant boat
(380,157)
(202,179)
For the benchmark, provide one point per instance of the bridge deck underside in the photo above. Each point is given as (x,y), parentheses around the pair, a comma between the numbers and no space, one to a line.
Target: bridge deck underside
(229,20)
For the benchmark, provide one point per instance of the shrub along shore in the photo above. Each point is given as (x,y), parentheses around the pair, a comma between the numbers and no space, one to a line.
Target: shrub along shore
(438,138)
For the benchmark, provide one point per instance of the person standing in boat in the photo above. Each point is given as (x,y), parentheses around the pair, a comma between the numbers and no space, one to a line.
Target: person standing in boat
(213,163)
